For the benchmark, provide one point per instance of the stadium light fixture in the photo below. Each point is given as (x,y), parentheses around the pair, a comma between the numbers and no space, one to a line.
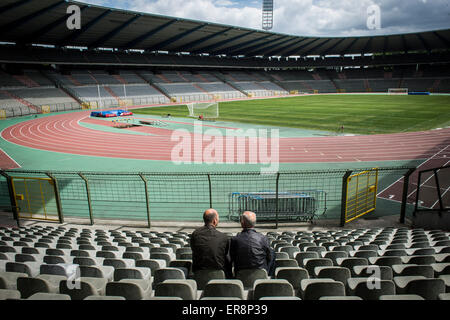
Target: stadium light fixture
(267,14)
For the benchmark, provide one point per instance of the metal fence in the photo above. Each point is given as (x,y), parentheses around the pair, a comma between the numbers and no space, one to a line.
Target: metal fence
(184,196)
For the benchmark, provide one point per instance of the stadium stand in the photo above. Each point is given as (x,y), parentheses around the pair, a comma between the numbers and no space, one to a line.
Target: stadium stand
(34,259)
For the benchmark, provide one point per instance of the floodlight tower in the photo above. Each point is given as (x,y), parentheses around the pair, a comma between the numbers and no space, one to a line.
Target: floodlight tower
(267,14)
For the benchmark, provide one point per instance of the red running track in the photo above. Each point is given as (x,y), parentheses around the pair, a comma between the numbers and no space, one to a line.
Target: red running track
(64,134)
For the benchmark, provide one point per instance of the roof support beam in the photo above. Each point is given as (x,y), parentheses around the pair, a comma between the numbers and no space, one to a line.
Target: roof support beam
(13,6)
(296,49)
(405,44)
(165,43)
(424,42)
(385,45)
(270,48)
(111,34)
(254,48)
(76,34)
(345,51)
(133,43)
(47,28)
(273,52)
(367,46)
(445,41)
(326,52)
(192,44)
(17,23)
(221,43)
(317,46)
(240,46)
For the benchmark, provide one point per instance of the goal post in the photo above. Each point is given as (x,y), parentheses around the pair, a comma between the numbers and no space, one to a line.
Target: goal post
(208,110)
(396,91)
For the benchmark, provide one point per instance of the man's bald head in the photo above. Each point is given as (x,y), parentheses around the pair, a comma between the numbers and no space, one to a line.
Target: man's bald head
(211,217)
(248,220)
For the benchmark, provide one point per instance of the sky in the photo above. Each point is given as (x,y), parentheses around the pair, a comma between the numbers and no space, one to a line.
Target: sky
(305,17)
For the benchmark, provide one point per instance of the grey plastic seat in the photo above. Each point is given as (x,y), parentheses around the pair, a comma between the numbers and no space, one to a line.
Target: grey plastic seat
(185,265)
(281,255)
(105,272)
(8,294)
(283,263)
(402,297)
(166,256)
(341,298)
(292,274)
(402,282)
(55,259)
(119,263)
(8,280)
(29,286)
(444,296)
(334,255)
(104,298)
(394,253)
(310,264)
(317,249)
(385,261)
(365,254)
(203,276)
(152,264)
(168,273)
(314,289)
(440,269)
(127,289)
(30,268)
(225,288)
(373,291)
(413,270)
(422,260)
(185,289)
(381,272)
(350,262)
(84,287)
(301,256)
(290,250)
(336,273)
(271,288)
(132,273)
(280,298)
(249,276)
(429,289)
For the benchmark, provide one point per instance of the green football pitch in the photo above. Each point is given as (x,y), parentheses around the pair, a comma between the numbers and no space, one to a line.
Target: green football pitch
(359,114)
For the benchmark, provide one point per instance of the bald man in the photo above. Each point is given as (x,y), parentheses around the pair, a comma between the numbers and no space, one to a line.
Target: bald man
(250,249)
(210,247)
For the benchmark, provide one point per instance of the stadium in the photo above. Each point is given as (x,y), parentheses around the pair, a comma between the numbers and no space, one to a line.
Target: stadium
(117,134)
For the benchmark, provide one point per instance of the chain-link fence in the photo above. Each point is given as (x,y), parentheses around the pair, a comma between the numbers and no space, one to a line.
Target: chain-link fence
(283,196)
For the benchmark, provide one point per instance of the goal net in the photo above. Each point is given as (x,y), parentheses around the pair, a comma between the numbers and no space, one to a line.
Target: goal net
(398,91)
(208,110)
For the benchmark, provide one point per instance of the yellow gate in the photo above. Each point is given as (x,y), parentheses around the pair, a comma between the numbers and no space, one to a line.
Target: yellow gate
(2,114)
(35,198)
(361,194)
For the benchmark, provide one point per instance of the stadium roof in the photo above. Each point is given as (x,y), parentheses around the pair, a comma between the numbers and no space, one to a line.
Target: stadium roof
(44,22)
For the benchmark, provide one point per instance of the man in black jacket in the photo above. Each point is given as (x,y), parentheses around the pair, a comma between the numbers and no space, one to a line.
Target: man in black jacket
(250,249)
(210,248)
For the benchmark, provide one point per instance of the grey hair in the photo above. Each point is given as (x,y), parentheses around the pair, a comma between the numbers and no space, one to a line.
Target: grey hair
(247,221)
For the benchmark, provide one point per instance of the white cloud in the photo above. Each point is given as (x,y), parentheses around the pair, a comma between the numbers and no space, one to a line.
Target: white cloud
(303,17)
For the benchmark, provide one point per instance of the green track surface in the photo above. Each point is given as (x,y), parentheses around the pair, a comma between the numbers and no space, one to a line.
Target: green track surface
(359,114)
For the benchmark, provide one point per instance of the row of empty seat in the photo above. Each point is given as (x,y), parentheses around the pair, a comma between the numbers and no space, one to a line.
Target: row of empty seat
(370,264)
